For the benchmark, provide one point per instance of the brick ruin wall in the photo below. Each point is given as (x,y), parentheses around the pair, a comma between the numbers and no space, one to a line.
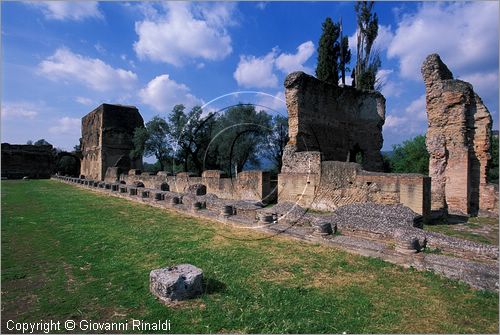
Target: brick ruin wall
(339,122)
(458,140)
(107,134)
(332,184)
(33,161)
(247,185)
(328,127)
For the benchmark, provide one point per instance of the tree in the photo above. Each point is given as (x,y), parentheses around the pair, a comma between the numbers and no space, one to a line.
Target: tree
(41,142)
(345,58)
(191,135)
(241,132)
(493,163)
(367,65)
(68,165)
(152,140)
(327,68)
(410,157)
(30,142)
(276,141)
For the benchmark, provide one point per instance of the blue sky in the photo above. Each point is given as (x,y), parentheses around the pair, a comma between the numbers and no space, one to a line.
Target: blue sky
(62,59)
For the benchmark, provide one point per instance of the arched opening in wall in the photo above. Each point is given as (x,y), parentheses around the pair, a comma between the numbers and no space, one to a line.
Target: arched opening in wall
(356,155)
(139,184)
(164,187)
(123,182)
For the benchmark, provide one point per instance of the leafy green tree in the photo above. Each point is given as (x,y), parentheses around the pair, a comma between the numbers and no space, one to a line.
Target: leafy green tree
(493,163)
(367,64)
(191,135)
(276,141)
(345,58)
(152,140)
(410,157)
(41,142)
(241,133)
(327,68)
(68,165)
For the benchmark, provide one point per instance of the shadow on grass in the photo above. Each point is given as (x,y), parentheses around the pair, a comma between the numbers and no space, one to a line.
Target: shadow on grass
(212,285)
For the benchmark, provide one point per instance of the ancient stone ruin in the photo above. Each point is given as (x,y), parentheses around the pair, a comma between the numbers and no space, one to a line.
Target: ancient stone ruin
(107,134)
(26,160)
(176,283)
(458,140)
(329,127)
(331,163)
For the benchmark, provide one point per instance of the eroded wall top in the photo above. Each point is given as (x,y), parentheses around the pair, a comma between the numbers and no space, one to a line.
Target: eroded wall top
(339,122)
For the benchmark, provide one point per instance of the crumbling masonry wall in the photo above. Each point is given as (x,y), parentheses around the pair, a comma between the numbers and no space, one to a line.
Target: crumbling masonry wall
(107,134)
(458,141)
(25,160)
(339,122)
(332,184)
(247,185)
(328,127)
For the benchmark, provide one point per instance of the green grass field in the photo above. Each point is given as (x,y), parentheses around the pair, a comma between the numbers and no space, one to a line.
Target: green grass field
(69,253)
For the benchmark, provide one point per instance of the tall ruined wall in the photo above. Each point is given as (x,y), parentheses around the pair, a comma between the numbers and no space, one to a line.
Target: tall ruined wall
(458,141)
(33,161)
(107,134)
(328,127)
(339,122)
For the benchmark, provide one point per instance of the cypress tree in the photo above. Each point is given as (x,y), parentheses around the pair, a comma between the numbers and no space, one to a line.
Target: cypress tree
(327,68)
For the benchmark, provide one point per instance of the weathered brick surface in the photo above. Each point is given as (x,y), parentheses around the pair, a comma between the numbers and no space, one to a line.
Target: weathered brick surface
(107,134)
(458,141)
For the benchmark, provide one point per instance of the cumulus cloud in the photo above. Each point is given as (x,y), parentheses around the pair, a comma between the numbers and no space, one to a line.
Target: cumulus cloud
(485,83)
(19,110)
(187,30)
(258,72)
(382,42)
(163,93)
(295,62)
(390,87)
(69,10)
(67,126)
(84,101)
(465,34)
(412,121)
(274,102)
(92,72)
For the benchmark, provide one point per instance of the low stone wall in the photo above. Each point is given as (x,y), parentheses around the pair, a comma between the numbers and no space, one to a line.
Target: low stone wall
(247,185)
(331,184)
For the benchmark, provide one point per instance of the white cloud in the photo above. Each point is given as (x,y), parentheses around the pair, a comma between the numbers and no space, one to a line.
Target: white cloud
(69,10)
(295,62)
(256,72)
(163,93)
(261,5)
(66,125)
(186,31)
(390,87)
(274,103)
(485,84)
(411,122)
(465,34)
(382,42)
(98,46)
(92,72)
(17,110)
(84,101)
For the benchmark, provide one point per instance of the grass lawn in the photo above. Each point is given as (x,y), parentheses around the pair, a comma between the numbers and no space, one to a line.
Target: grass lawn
(477,229)
(69,253)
